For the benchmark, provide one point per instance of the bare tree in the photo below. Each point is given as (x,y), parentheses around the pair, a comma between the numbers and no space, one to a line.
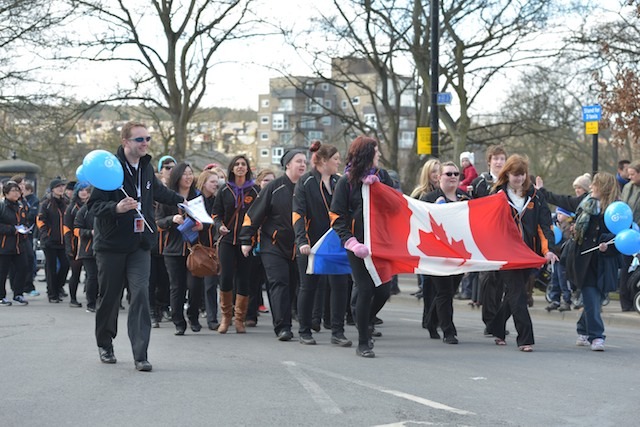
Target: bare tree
(170,48)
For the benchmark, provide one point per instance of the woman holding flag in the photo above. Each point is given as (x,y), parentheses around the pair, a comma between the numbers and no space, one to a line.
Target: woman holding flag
(533,218)
(311,203)
(441,310)
(347,213)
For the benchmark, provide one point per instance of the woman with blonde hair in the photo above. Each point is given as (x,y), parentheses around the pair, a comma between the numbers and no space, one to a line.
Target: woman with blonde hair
(594,272)
(429,178)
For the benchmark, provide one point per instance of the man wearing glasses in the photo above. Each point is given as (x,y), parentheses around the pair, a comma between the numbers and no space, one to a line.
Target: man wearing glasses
(124,232)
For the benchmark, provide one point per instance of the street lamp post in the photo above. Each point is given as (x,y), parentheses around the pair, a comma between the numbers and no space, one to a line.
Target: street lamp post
(435,72)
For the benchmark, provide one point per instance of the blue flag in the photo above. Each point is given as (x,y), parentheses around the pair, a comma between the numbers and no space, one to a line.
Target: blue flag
(328,256)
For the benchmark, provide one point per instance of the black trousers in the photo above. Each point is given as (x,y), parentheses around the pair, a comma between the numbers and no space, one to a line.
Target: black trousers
(308,296)
(442,305)
(56,274)
(281,277)
(369,298)
(257,279)
(113,269)
(514,304)
(19,264)
(91,278)
(235,269)
(76,268)
(159,292)
(491,292)
(429,317)
(181,280)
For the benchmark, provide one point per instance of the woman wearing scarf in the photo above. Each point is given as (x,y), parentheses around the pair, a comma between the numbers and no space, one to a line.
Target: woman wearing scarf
(595,273)
(533,218)
(230,205)
(347,213)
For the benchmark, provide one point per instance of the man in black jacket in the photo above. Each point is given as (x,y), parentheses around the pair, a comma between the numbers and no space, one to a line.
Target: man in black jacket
(124,231)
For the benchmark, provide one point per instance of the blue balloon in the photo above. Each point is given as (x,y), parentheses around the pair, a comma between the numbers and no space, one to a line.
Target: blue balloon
(628,242)
(80,175)
(634,226)
(103,170)
(618,217)
(557,233)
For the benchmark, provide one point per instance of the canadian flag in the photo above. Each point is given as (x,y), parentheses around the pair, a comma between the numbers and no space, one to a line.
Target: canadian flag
(406,235)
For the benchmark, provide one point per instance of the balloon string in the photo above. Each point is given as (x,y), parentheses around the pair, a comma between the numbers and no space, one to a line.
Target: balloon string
(596,247)
(139,213)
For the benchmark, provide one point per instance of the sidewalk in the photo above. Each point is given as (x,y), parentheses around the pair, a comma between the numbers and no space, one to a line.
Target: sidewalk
(611,314)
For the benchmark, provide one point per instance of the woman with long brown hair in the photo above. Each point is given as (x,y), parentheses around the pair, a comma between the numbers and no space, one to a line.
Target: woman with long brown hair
(533,218)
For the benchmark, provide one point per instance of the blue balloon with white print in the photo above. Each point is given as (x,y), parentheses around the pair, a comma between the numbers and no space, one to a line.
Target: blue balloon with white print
(103,170)
(618,217)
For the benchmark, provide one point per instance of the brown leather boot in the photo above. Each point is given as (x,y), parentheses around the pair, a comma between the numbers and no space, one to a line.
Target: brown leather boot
(242,302)
(226,307)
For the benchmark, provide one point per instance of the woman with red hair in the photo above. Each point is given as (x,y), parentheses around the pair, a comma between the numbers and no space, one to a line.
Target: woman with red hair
(347,211)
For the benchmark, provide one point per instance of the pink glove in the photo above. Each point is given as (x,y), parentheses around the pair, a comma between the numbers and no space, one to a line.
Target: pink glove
(370,179)
(360,250)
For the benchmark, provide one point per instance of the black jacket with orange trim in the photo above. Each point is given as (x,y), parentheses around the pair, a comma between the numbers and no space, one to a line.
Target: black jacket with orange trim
(534,222)
(208,235)
(50,222)
(224,211)
(173,243)
(83,230)
(311,204)
(272,213)
(70,238)
(12,214)
(346,207)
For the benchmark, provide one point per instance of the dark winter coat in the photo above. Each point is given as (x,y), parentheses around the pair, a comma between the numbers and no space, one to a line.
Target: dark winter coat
(224,211)
(50,222)
(12,214)
(311,204)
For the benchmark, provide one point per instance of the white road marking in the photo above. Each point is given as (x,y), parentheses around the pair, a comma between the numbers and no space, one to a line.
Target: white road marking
(315,391)
(406,423)
(396,393)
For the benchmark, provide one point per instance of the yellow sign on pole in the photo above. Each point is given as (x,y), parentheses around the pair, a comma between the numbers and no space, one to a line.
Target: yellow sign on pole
(424,140)
(591,128)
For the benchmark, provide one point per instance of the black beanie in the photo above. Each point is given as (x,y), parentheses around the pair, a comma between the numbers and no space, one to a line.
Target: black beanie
(289,154)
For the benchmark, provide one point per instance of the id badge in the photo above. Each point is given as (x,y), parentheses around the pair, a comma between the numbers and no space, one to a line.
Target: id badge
(138,225)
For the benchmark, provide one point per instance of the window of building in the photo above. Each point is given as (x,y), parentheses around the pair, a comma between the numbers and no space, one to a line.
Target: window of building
(355,100)
(264,136)
(264,152)
(327,103)
(406,139)
(326,121)
(314,105)
(307,122)
(276,154)
(264,103)
(344,104)
(371,120)
(279,122)
(285,138)
(325,87)
(286,104)
(264,120)
(315,134)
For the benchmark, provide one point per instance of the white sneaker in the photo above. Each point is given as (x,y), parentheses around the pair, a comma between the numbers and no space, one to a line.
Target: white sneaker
(583,341)
(597,344)
(5,302)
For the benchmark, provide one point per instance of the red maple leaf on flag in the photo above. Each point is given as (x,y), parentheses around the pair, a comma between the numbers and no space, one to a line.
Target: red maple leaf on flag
(436,243)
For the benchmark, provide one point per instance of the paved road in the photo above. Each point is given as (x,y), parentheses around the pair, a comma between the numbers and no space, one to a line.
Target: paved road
(52,375)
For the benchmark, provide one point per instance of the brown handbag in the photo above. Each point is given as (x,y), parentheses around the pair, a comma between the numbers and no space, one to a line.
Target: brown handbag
(203,260)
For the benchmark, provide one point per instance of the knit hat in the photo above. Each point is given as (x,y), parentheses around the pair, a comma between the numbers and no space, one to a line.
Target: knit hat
(164,159)
(70,185)
(583,181)
(56,182)
(289,154)
(467,155)
(565,212)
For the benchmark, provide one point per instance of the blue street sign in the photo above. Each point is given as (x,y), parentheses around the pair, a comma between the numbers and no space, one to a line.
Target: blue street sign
(591,113)
(444,98)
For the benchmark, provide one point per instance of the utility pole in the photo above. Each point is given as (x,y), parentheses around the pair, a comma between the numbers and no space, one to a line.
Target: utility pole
(435,73)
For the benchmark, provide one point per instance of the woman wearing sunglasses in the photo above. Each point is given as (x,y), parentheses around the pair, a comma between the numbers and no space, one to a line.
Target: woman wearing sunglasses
(441,310)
